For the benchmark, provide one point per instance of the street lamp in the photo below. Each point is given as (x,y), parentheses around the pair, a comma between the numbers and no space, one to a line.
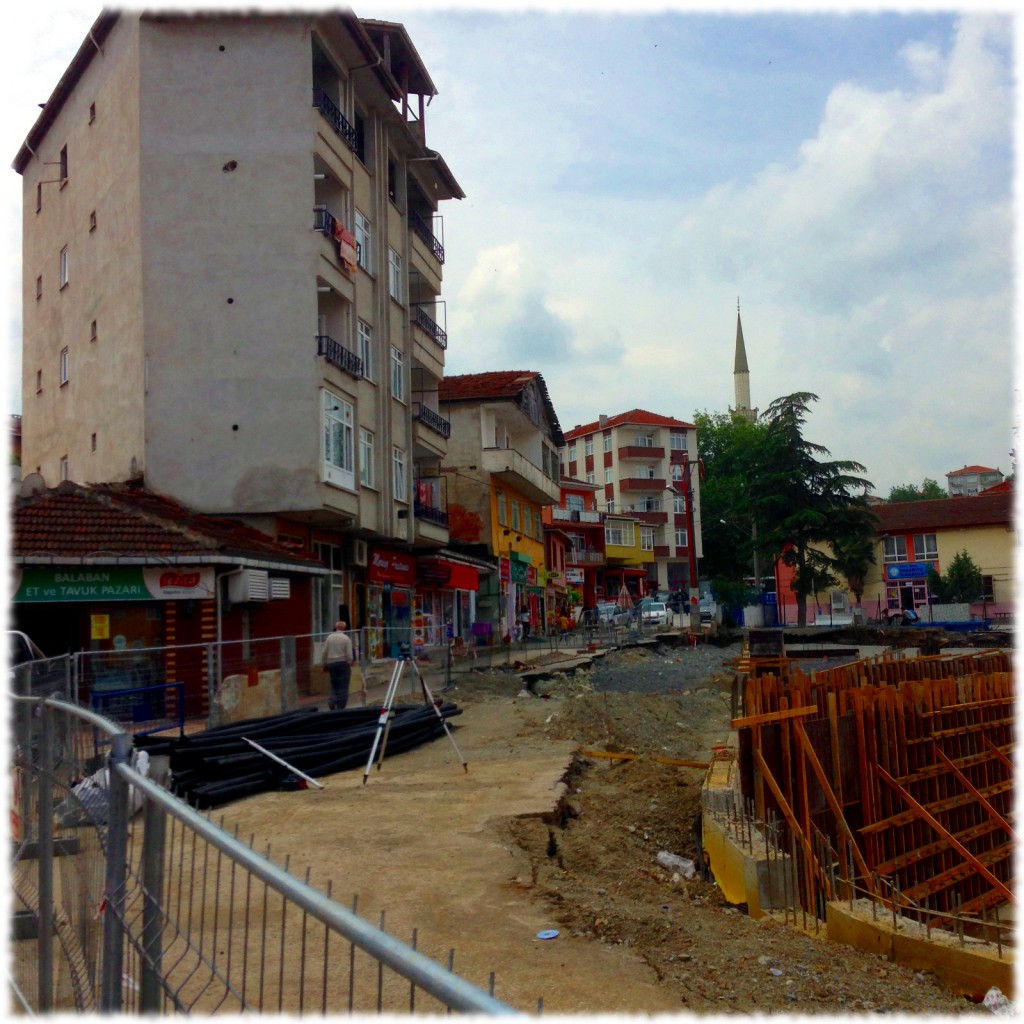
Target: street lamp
(691,547)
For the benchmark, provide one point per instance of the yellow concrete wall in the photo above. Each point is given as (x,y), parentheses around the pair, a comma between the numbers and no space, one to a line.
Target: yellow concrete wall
(966,971)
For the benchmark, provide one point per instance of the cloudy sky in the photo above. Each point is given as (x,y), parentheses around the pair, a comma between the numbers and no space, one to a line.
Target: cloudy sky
(847,178)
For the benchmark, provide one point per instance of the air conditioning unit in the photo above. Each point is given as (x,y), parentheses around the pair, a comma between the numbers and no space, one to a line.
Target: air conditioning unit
(358,552)
(280,588)
(249,585)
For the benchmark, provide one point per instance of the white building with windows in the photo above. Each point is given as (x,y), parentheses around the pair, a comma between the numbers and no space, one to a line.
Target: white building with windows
(644,465)
(232,264)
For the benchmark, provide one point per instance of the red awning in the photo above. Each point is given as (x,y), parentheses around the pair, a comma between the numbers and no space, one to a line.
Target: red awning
(442,573)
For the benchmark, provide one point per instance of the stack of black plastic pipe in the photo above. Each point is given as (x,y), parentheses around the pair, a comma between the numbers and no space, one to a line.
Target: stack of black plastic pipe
(217,766)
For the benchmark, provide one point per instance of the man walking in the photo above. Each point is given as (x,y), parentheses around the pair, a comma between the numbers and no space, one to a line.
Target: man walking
(337,658)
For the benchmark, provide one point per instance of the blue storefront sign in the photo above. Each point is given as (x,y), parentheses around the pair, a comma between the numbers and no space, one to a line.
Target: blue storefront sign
(908,571)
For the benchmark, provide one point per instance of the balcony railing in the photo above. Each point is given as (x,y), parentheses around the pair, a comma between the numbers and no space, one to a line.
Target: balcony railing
(422,228)
(324,221)
(336,119)
(431,419)
(637,451)
(573,515)
(432,515)
(421,319)
(636,483)
(578,557)
(337,355)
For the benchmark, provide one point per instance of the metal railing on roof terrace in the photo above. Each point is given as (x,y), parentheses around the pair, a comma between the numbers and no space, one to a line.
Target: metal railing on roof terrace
(335,118)
(423,320)
(422,228)
(337,355)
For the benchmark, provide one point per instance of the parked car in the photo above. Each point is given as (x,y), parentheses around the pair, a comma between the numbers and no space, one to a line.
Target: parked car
(609,613)
(654,613)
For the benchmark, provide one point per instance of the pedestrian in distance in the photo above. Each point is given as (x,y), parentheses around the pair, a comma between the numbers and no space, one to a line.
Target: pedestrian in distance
(337,659)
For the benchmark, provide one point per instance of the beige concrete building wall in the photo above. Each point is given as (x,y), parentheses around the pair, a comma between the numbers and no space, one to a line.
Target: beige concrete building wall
(210,284)
(95,420)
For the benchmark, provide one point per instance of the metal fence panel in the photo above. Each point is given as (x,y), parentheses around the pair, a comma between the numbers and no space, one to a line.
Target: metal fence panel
(132,901)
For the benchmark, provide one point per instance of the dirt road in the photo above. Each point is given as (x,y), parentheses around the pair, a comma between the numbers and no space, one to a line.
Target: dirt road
(535,837)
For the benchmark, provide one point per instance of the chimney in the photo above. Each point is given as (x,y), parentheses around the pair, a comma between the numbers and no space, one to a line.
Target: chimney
(602,421)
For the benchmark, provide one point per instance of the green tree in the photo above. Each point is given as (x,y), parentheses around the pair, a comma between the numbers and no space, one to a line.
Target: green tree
(730,449)
(962,583)
(928,491)
(799,499)
(854,555)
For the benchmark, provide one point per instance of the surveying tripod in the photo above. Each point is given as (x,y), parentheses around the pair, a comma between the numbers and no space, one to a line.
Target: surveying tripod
(387,714)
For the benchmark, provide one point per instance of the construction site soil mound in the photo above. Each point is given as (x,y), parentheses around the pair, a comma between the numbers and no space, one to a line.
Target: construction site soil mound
(540,836)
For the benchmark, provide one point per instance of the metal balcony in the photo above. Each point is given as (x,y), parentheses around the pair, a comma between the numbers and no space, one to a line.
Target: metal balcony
(336,119)
(573,515)
(422,228)
(432,515)
(421,319)
(431,419)
(337,355)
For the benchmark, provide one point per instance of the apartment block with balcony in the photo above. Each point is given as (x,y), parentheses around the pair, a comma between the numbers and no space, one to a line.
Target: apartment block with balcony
(232,253)
(577,519)
(644,466)
(501,470)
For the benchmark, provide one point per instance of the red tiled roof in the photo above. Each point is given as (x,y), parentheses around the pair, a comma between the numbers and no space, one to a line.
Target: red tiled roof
(493,384)
(969,470)
(641,417)
(113,520)
(498,384)
(1005,487)
(986,509)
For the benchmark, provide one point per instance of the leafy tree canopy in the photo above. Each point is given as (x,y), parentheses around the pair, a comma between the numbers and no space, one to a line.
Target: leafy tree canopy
(928,491)
(962,582)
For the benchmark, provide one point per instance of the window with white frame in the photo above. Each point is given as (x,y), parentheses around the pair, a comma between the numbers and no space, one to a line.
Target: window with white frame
(646,538)
(926,547)
(648,472)
(681,537)
(394,275)
(398,373)
(338,441)
(64,266)
(677,473)
(502,502)
(366,350)
(515,516)
(895,549)
(572,453)
(574,502)
(620,534)
(679,504)
(677,442)
(367,472)
(538,525)
(590,478)
(607,442)
(649,504)
(398,464)
(64,365)
(363,250)
(988,592)
(588,446)
(644,440)
(608,475)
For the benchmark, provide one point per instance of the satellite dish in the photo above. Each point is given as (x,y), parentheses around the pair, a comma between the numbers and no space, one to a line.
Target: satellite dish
(32,484)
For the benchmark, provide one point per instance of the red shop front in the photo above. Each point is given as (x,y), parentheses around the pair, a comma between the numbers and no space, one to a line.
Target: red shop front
(391,579)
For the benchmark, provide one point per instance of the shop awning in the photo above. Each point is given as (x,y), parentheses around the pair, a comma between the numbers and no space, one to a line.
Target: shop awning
(448,575)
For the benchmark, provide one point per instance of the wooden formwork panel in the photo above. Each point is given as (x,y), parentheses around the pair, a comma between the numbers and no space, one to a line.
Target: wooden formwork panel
(916,754)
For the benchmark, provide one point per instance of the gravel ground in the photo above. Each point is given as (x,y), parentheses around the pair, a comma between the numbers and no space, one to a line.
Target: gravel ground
(661,669)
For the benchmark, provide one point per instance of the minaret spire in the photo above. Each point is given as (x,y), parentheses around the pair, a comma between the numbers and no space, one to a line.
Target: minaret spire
(741,372)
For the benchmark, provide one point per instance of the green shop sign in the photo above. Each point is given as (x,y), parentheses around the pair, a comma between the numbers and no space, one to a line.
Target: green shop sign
(111,583)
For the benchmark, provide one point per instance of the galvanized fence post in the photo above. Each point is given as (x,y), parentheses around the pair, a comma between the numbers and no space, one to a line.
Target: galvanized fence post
(116,873)
(211,685)
(289,682)
(45,853)
(153,846)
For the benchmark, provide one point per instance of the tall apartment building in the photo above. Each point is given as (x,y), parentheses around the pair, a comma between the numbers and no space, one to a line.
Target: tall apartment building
(232,277)
(640,462)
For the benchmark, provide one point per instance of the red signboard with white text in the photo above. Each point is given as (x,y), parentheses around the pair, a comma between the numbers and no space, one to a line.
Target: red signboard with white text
(391,567)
